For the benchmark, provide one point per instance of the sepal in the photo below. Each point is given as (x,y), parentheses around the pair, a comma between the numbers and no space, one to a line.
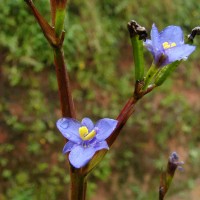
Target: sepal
(165,72)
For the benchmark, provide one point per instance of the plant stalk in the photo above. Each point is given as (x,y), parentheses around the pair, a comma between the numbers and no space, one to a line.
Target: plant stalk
(66,101)
(78,185)
(53,11)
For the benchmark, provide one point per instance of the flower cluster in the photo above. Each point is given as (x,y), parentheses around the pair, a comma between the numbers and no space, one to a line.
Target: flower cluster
(168,45)
(85,138)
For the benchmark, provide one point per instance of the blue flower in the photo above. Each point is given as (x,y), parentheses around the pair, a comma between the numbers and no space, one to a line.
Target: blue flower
(174,162)
(85,138)
(168,45)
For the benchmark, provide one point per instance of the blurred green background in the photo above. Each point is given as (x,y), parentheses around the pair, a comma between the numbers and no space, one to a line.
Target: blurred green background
(99,58)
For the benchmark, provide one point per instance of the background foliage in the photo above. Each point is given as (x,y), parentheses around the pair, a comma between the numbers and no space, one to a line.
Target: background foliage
(99,58)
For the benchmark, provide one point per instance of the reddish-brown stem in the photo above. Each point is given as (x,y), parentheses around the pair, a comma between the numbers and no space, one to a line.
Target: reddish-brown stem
(48,31)
(53,11)
(66,101)
(61,3)
(128,110)
(122,119)
(78,185)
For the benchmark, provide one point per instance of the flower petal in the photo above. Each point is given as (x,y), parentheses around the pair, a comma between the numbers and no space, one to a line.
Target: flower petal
(101,145)
(88,123)
(104,128)
(80,156)
(178,53)
(156,44)
(148,45)
(172,34)
(70,129)
(68,146)
(168,45)
(155,37)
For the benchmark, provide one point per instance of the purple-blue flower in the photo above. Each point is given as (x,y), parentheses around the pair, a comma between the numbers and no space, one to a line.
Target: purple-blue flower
(174,162)
(168,45)
(85,138)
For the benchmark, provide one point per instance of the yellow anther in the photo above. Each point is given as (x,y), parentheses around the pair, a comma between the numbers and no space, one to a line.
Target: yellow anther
(167,45)
(85,134)
(83,130)
(173,44)
(90,135)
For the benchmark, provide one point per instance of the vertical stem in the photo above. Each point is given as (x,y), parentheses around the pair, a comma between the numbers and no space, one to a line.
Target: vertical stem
(53,11)
(78,185)
(55,38)
(66,101)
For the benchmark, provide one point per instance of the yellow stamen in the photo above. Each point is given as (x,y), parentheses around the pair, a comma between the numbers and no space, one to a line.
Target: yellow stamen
(85,134)
(167,45)
(173,44)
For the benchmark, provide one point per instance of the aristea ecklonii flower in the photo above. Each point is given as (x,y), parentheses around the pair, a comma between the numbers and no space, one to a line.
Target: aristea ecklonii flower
(85,138)
(174,163)
(168,45)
